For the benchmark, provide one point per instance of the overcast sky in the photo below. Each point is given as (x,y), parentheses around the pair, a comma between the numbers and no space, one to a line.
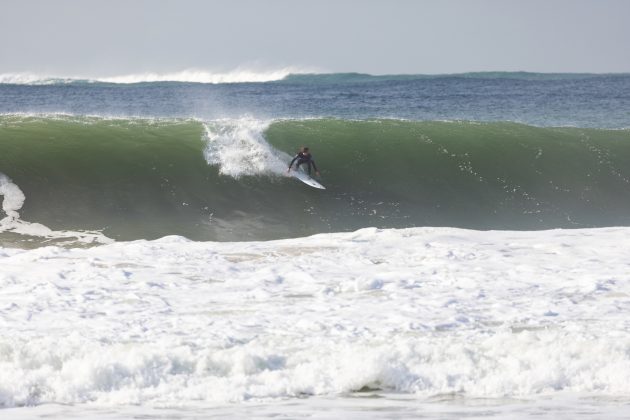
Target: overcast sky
(114,37)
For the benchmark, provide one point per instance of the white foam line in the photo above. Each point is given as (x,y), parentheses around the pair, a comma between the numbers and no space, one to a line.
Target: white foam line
(238,75)
(13,200)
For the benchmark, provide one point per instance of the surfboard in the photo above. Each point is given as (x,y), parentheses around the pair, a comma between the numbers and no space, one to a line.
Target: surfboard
(306,179)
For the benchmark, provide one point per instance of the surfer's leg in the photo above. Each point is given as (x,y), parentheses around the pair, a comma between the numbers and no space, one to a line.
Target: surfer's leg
(309,168)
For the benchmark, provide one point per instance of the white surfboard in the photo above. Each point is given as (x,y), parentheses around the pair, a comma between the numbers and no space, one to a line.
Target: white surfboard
(306,179)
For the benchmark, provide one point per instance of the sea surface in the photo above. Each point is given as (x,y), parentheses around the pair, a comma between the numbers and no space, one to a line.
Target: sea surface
(468,257)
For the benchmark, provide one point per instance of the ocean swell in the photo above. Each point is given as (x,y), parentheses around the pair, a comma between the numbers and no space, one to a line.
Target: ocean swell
(225,179)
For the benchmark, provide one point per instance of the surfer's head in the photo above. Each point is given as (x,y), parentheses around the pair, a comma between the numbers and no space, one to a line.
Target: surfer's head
(304,149)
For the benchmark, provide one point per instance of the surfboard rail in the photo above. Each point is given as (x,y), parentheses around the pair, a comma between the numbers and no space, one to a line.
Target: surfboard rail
(299,174)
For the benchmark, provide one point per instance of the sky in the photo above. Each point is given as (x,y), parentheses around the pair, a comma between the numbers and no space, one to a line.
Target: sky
(117,37)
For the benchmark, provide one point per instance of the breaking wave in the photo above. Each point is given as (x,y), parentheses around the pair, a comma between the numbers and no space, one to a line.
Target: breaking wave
(239,75)
(225,179)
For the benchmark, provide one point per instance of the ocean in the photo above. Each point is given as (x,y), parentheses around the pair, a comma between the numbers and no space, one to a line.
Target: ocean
(467,258)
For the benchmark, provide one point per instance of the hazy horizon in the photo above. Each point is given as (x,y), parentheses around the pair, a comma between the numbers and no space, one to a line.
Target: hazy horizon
(71,38)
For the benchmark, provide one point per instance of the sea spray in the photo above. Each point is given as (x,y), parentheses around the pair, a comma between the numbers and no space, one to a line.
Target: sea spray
(238,147)
(13,197)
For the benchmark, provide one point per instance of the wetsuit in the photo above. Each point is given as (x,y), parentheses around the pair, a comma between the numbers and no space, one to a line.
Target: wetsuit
(303,158)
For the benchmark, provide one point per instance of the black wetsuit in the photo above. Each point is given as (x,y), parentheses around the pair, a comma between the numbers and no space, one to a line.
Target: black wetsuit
(301,158)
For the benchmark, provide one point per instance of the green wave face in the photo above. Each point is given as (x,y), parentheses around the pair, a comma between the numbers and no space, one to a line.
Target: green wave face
(128,177)
(146,179)
(488,176)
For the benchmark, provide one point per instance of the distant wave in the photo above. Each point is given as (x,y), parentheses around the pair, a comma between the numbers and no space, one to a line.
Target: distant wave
(201,76)
(287,75)
(35,79)
(341,78)
(239,75)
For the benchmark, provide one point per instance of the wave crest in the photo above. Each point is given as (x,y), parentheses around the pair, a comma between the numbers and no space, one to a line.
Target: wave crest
(239,75)
(238,147)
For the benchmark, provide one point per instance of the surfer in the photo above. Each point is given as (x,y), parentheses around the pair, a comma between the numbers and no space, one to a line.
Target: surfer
(304,156)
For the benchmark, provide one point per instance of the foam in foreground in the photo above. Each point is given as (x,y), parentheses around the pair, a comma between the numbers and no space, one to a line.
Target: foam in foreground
(421,312)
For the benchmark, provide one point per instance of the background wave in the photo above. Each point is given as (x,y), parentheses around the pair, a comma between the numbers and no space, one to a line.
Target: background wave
(240,75)
(290,75)
(597,101)
(224,180)
(341,78)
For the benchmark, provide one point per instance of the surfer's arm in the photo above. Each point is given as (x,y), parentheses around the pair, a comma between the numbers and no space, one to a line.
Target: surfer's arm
(314,166)
(294,159)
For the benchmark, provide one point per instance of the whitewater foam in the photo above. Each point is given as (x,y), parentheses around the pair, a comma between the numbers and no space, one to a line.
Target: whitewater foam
(239,148)
(35,79)
(13,197)
(423,312)
(238,75)
(13,200)
(201,76)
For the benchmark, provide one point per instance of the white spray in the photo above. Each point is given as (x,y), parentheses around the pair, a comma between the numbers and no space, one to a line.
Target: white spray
(13,198)
(239,148)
